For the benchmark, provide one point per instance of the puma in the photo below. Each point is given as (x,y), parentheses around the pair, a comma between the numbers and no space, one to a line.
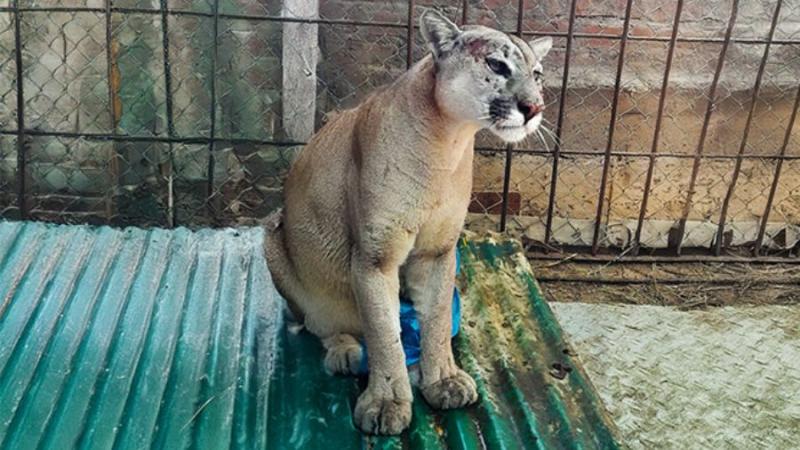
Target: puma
(376,201)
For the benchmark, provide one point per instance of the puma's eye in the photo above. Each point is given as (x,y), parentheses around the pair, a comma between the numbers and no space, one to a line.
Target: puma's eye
(537,75)
(498,67)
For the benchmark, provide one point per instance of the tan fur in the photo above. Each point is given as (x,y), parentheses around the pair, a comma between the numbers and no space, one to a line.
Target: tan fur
(380,195)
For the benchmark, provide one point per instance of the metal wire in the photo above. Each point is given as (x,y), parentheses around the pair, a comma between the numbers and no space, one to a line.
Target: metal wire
(202,166)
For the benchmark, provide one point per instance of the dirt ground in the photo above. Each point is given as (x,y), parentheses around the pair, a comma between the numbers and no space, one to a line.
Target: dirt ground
(681,285)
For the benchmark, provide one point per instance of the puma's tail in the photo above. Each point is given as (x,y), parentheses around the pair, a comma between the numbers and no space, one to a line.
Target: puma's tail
(279,264)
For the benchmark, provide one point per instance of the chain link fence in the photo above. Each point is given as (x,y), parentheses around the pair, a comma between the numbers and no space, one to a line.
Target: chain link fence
(669,124)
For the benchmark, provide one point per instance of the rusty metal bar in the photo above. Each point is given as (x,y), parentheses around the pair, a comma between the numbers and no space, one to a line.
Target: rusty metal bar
(509,147)
(213,112)
(551,201)
(410,34)
(687,207)
(174,12)
(139,138)
(506,187)
(383,24)
(20,132)
(101,137)
(575,258)
(171,212)
(611,126)
(632,154)
(115,110)
(198,140)
(681,39)
(656,134)
(779,165)
(737,168)
(666,281)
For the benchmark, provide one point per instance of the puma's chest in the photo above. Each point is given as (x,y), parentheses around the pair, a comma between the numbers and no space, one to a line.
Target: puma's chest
(444,216)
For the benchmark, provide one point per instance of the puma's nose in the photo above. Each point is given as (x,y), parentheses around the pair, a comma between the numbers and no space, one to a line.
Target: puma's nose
(529,110)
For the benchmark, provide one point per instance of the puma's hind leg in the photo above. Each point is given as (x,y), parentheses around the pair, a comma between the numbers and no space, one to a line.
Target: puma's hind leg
(343,354)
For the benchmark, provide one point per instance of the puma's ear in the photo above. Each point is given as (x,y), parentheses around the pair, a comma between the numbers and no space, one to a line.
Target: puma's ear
(438,31)
(541,47)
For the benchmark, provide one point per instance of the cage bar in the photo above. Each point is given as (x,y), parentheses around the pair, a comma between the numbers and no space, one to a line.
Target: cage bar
(681,228)
(20,132)
(743,146)
(551,201)
(213,114)
(656,133)
(611,126)
(171,212)
(778,167)
(509,147)
(410,34)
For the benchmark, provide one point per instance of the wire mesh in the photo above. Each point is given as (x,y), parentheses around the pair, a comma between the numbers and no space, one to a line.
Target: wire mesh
(189,112)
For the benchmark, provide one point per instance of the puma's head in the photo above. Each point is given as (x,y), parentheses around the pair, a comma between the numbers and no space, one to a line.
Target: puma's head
(486,76)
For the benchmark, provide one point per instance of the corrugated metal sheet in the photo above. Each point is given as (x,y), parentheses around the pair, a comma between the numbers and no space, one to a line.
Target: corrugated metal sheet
(130,339)
(127,338)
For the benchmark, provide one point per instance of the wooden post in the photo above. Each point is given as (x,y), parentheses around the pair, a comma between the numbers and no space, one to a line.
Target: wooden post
(299,59)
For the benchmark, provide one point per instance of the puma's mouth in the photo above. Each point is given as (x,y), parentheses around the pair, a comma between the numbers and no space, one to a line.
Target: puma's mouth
(509,133)
(514,133)
(506,122)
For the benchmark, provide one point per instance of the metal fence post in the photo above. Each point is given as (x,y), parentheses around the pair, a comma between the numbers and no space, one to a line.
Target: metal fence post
(21,147)
(610,143)
(510,147)
(687,206)
(659,116)
(551,201)
(743,146)
(213,114)
(778,166)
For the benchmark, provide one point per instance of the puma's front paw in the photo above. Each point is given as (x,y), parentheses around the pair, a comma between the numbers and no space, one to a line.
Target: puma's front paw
(377,414)
(454,391)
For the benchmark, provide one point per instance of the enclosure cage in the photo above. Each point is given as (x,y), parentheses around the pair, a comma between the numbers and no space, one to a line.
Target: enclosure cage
(669,124)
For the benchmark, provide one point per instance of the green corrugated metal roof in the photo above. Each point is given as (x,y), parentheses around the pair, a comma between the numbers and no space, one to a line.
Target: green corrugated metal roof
(129,339)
